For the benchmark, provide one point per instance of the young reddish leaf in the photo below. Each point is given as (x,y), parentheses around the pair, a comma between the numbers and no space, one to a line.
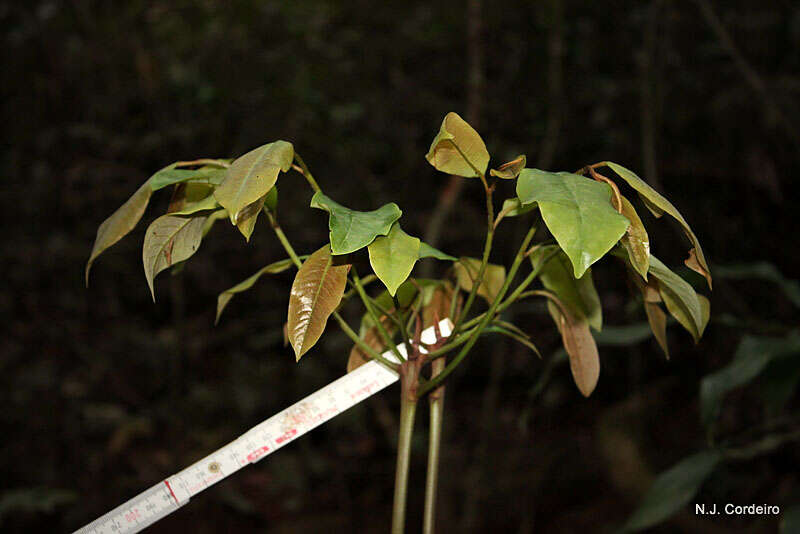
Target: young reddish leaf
(693,263)
(658,205)
(636,241)
(584,360)
(467,269)
(252,175)
(170,239)
(437,306)
(119,223)
(458,149)
(316,292)
(510,170)
(655,315)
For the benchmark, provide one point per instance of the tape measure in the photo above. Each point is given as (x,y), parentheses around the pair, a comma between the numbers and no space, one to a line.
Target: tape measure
(282,428)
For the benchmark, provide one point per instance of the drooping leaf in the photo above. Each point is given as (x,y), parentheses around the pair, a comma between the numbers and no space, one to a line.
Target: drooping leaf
(494,277)
(427,251)
(458,149)
(273,268)
(579,294)
(248,216)
(659,205)
(636,241)
(316,292)
(673,489)
(352,230)
(119,223)
(252,175)
(510,170)
(681,300)
(170,239)
(393,257)
(577,211)
(584,360)
(751,358)
(658,323)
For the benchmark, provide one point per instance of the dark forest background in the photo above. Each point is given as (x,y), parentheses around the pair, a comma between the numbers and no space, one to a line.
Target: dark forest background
(105,393)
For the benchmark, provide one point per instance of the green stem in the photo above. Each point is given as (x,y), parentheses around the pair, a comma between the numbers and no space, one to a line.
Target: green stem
(408,407)
(487,317)
(487,249)
(307,173)
(436,401)
(387,339)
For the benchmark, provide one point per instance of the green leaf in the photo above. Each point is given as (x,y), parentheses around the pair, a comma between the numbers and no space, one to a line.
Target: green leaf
(752,357)
(512,207)
(352,230)
(427,251)
(510,170)
(673,489)
(213,217)
(273,268)
(579,294)
(316,293)
(458,149)
(577,211)
(205,204)
(681,300)
(636,241)
(169,240)
(494,277)
(170,175)
(393,257)
(252,175)
(501,327)
(271,201)
(658,205)
(120,223)
(248,216)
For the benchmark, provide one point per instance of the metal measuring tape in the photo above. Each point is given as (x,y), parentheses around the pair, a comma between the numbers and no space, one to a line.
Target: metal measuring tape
(282,428)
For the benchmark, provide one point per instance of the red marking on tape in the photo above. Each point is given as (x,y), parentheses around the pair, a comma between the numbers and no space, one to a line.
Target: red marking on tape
(286,436)
(171,492)
(256,454)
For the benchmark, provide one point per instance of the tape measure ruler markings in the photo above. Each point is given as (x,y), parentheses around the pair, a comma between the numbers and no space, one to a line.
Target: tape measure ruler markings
(265,438)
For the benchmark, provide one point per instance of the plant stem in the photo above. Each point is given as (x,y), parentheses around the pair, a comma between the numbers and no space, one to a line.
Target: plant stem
(436,400)
(307,173)
(487,249)
(408,407)
(387,339)
(487,317)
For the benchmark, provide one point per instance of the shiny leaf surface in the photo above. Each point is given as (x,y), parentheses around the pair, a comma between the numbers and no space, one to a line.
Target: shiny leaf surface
(252,175)
(393,257)
(659,205)
(577,211)
(458,149)
(170,239)
(316,292)
(352,230)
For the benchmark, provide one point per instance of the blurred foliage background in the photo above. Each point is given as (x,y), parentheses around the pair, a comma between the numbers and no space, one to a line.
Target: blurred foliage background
(104,393)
